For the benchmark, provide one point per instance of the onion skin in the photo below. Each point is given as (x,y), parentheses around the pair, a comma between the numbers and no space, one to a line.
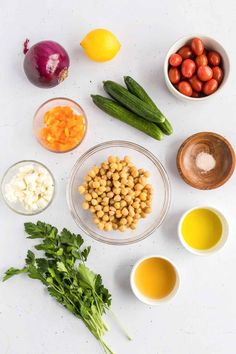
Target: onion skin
(46,64)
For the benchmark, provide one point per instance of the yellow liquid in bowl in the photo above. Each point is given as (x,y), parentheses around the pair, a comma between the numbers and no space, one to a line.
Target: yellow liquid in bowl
(155,278)
(201,229)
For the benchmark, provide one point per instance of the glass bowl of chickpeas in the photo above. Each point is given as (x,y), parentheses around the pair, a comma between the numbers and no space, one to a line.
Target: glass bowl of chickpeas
(118,192)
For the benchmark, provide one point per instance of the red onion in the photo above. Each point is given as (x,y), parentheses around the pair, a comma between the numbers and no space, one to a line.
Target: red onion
(46,63)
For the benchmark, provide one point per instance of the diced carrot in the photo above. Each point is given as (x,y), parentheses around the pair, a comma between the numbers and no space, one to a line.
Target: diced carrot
(63,129)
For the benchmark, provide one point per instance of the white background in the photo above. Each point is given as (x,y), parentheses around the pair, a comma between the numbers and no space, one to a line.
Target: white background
(202,318)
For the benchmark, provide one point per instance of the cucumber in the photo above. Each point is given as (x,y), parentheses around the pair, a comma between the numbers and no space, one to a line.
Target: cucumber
(133,103)
(115,110)
(137,90)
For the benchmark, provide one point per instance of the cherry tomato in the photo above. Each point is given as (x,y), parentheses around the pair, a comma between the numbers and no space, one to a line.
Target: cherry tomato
(175,60)
(201,60)
(210,87)
(204,73)
(195,94)
(197,46)
(174,75)
(217,74)
(214,58)
(196,83)
(185,88)
(185,52)
(188,68)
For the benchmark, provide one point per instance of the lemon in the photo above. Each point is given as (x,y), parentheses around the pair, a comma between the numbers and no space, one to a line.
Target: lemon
(100,45)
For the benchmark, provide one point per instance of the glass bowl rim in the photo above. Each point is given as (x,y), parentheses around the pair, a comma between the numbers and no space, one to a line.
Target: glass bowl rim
(151,157)
(70,101)
(3,193)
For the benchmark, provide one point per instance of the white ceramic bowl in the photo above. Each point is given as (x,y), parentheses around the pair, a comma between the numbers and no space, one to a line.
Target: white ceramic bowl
(219,245)
(146,300)
(208,43)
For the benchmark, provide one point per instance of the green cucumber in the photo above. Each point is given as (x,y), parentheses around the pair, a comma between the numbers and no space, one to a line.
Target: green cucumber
(137,90)
(133,103)
(115,110)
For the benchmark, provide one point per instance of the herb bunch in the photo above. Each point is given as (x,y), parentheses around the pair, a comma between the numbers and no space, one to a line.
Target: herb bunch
(63,271)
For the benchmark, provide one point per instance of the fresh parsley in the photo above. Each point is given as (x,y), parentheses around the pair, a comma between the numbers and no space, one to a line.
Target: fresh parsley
(63,271)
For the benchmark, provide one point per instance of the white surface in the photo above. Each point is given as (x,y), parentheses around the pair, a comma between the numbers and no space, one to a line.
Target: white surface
(201,319)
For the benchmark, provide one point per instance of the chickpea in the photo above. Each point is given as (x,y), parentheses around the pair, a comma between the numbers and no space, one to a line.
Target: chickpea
(116,184)
(138,187)
(109,174)
(146,174)
(111,212)
(133,226)
(117,198)
(118,214)
(135,173)
(135,205)
(106,209)
(114,226)
(123,203)
(116,190)
(115,176)
(81,189)
(103,195)
(96,184)
(129,219)
(143,215)
(117,205)
(111,159)
(100,214)
(128,199)
(92,209)
(92,173)
(109,183)
(101,225)
(148,210)
(105,201)
(85,205)
(123,221)
(99,199)
(122,228)
(113,166)
(108,226)
(111,217)
(143,197)
(105,166)
(98,207)
(105,217)
(94,202)
(94,195)
(102,172)
(137,216)
(143,205)
(103,183)
(141,171)
(88,197)
(88,178)
(127,159)
(137,193)
(124,191)
(125,212)
(110,195)
(142,181)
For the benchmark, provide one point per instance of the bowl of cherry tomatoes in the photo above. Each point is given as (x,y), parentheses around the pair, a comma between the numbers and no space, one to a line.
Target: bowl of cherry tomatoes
(196,67)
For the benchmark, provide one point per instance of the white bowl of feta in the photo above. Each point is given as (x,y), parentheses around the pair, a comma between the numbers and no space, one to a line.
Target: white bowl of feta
(28,187)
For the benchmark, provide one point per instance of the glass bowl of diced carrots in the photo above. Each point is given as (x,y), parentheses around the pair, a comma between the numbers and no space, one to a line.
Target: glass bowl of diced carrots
(60,124)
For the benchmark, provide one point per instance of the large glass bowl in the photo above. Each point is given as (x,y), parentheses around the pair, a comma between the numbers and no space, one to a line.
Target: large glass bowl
(142,158)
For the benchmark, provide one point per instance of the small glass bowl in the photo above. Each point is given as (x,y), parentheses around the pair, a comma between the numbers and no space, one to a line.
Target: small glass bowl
(38,120)
(9,174)
(142,158)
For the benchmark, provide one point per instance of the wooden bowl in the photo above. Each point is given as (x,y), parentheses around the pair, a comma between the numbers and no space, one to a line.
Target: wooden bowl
(210,143)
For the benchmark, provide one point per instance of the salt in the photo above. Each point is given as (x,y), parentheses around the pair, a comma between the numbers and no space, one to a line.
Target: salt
(205,161)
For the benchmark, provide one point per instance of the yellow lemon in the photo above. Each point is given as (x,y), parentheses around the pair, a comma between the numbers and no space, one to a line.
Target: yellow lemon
(100,45)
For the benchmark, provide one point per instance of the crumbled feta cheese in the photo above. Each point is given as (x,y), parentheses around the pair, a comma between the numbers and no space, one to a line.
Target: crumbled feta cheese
(32,186)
